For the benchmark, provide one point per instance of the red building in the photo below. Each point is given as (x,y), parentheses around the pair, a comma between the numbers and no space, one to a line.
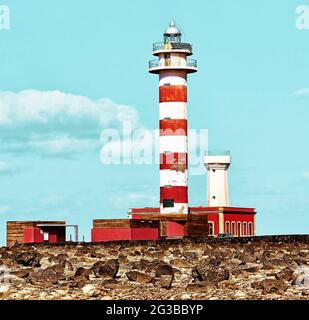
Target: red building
(35,232)
(238,222)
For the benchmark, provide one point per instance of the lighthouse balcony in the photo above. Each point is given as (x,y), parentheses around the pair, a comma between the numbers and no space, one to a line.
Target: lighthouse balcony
(155,66)
(163,47)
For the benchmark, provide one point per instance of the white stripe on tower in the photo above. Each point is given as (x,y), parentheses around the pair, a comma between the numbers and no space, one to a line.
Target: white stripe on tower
(177,110)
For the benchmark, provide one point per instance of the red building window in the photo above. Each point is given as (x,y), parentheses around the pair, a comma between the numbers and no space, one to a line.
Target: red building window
(234,228)
(250,229)
(239,229)
(211,228)
(227,227)
(245,229)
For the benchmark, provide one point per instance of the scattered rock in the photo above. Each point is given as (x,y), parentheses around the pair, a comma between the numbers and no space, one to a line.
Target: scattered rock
(29,259)
(251,267)
(164,281)
(271,286)
(159,270)
(45,277)
(201,286)
(82,272)
(139,277)
(180,263)
(24,273)
(164,269)
(210,274)
(285,274)
(107,269)
(90,290)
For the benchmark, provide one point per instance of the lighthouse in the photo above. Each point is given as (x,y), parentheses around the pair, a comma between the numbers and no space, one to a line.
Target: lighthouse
(172,65)
(217,165)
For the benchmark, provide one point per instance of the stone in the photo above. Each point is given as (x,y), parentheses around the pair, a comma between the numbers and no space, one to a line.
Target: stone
(185,297)
(270,286)
(24,273)
(164,281)
(164,269)
(4,289)
(200,287)
(139,277)
(251,267)
(210,274)
(142,264)
(46,277)
(108,269)
(285,274)
(29,259)
(90,290)
(180,263)
(82,272)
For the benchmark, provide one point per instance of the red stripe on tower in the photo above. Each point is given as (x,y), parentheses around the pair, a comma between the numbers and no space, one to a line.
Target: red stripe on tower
(173,127)
(168,161)
(179,194)
(173,93)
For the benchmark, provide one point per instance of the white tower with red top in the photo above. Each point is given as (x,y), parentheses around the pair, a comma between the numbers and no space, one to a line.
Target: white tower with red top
(173,66)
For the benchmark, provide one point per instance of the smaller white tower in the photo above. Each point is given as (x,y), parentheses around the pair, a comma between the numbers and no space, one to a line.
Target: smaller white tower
(217,165)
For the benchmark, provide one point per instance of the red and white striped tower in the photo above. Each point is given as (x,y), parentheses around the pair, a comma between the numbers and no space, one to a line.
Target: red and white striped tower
(173,66)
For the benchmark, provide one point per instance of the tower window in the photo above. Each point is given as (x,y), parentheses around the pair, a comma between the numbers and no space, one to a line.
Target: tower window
(214,197)
(211,228)
(167,84)
(168,203)
(213,170)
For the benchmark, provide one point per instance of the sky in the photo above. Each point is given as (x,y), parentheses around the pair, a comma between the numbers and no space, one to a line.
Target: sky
(69,70)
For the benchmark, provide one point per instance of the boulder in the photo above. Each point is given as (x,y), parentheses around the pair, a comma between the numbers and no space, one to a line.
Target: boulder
(24,273)
(164,275)
(45,277)
(180,263)
(139,277)
(90,290)
(210,274)
(164,269)
(164,281)
(201,286)
(271,286)
(108,269)
(285,274)
(82,272)
(251,267)
(29,259)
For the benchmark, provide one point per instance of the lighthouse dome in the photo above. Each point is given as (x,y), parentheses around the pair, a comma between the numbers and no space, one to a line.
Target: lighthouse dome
(172,30)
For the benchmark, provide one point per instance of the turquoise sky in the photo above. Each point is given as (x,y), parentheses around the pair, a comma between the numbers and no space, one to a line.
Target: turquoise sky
(251,92)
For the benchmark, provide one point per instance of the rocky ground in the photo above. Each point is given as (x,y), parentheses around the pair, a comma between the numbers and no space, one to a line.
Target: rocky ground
(266,268)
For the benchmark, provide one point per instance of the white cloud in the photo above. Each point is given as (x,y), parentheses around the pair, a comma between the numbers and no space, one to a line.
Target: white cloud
(302,92)
(57,123)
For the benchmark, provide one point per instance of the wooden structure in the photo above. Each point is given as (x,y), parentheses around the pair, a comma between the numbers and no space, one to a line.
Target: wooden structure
(124,229)
(150,227)
(34,231)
